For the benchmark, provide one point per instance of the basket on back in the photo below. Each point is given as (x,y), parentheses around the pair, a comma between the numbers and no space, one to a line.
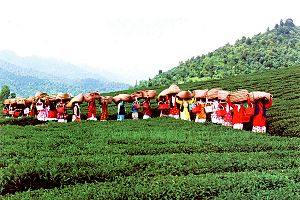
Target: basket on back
(12,101)
(77,99)
(21,101)
(149,94)
(107,99)
(200,93)
(213,93)
(138,94)
(256,95)
(91,96)
(222,95)
(29,100)
(238,96)
(185,95)
(41,94)
(122,97)
(163,94)
(63,96)
(173,89)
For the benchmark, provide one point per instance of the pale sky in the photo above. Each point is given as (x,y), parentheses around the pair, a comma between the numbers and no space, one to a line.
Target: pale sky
(133,38)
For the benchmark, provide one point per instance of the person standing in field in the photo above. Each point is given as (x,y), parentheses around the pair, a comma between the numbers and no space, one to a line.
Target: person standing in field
(238,113)
(92,110)
(104,111)
(201,115)
(61,111)
(174,107)
(259,118)
(121,111)
(184,108)
(146,109)
(228,116)
(134,108)
(76,113)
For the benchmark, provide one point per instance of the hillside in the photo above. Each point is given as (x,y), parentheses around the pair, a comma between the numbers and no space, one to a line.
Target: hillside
(273,49)
(283,116)
(26,75)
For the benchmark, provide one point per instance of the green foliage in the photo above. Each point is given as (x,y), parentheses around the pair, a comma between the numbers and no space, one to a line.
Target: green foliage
(13,95)
(156,158)
(5,92)
(276,48)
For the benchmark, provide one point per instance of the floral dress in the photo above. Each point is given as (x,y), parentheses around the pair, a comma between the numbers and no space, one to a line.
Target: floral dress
(104,111)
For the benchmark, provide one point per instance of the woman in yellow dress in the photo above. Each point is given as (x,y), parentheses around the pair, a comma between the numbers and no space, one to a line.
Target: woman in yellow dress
(184,108)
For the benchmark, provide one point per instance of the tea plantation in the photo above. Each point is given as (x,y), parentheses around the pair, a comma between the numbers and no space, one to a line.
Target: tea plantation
(160,158)
(157,158)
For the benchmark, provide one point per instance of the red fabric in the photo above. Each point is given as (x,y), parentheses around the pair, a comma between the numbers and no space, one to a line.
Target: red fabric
(92,109)
(52,114)
(146,108)
(174,110)
(104,113)
(238,114)
(260,119)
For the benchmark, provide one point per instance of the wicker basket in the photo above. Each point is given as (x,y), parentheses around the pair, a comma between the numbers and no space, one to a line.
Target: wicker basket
(63,96)
(30,100)
(173,89)
(238,96)
(200,93)
(21,101)
(13,101)
(41,94)
(222,94)
(149,94)
(259,95)
(185,94)
(138,94)
(122,97)
(213,93)
(108,99)
(77,99)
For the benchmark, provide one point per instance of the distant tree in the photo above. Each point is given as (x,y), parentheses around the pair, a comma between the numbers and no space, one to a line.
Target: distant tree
(289,22)
(5,92)
(268,29)
(281,22)
(248,41)
(13,95)
(149,82)
(160,71)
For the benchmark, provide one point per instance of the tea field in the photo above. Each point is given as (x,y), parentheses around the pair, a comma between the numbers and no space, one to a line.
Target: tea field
(160,158)
(146,159)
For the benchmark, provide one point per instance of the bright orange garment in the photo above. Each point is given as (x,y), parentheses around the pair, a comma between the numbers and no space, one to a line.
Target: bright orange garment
(259,118)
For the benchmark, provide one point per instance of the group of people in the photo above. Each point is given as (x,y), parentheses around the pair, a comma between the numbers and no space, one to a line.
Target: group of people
(218,111)
(200,110)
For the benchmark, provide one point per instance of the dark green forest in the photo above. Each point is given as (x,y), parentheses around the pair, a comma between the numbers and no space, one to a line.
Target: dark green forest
(276,48)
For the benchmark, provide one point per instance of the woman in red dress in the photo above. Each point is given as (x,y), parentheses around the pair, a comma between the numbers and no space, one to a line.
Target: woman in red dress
(174,107)
(104,111)
(259,118)
(238,113)
(92,110)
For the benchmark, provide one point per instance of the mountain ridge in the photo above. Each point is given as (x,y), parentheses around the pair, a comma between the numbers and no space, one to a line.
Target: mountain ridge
(24,76)
(273,49)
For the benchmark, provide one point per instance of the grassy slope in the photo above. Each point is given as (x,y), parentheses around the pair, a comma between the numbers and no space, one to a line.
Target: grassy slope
(284,84)
(283,116)
(157,158)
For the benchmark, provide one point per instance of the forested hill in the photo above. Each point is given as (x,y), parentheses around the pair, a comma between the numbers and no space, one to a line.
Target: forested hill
(276,48)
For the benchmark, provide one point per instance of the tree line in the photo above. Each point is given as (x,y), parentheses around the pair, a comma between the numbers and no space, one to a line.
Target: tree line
(273,49)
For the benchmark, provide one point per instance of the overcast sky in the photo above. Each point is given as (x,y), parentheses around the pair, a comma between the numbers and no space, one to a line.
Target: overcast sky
(133,38)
